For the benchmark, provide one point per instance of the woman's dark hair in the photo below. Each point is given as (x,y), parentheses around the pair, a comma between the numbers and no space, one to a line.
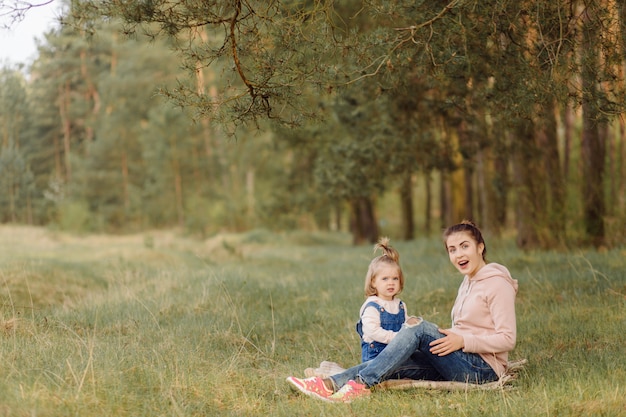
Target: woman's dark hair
(469,227)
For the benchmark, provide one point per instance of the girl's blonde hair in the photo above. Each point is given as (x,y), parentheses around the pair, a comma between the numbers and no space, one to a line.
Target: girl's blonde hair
(390,256)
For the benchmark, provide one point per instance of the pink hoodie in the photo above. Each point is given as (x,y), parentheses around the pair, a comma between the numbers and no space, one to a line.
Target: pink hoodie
(484,314)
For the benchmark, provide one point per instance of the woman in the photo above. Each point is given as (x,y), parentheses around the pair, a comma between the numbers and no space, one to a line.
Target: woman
(474,350)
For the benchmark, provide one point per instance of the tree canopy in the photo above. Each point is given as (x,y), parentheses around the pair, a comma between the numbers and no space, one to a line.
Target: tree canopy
(355,101)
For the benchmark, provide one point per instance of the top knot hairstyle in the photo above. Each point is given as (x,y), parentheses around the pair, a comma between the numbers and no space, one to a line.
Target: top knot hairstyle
(468,227)
(389,256)
(388,251)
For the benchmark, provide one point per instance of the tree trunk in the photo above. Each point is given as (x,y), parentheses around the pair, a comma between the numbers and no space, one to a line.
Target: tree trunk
(593,139)
(178,183)
(364,224)
(528,179)
(483,191)
(429,203)
(466,158)
(64,106)
(569,119)
(555,209)
(91,94)
(458,180)
(445,200)
(500,181)
(338,222)
(611,170)
(125,181)
(406,207)
(250,199)
(58,165)
(469,191)
(620,151)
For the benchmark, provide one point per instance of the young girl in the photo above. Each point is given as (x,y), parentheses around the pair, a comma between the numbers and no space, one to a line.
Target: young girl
(382,314)
(473,350)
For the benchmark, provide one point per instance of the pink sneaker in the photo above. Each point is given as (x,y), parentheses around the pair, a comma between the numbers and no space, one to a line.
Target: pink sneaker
(350,391)
(313,387)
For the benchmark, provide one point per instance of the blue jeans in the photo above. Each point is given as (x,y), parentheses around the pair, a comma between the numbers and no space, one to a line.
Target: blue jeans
(408,356)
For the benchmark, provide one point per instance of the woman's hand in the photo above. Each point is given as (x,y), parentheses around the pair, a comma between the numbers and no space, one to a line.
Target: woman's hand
(448,344)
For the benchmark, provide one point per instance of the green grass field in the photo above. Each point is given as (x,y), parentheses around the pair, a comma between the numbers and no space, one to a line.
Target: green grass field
(161,325)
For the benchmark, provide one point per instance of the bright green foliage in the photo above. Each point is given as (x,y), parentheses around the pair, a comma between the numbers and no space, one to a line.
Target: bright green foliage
(16,185)
(108,145)
(113,172)
(354,101)
(256,48)
(16,178)
(13,107)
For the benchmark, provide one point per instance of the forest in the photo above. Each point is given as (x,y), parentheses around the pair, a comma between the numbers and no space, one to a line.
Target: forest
(374,117)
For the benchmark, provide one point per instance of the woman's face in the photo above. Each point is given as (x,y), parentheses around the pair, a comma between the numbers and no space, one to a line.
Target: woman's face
(465,254)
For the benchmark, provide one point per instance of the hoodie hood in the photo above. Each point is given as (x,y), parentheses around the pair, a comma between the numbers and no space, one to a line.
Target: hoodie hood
(495,270)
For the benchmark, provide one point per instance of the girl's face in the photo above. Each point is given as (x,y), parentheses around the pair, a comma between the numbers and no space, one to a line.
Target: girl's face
(387,282)
(465,254)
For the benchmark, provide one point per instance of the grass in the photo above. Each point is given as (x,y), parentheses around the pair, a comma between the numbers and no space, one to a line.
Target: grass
(161,325)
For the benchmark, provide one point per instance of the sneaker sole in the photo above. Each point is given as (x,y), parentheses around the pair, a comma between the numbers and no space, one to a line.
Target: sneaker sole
(295,386)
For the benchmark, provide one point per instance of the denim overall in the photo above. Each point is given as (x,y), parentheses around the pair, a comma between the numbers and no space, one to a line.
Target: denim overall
(388,321)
